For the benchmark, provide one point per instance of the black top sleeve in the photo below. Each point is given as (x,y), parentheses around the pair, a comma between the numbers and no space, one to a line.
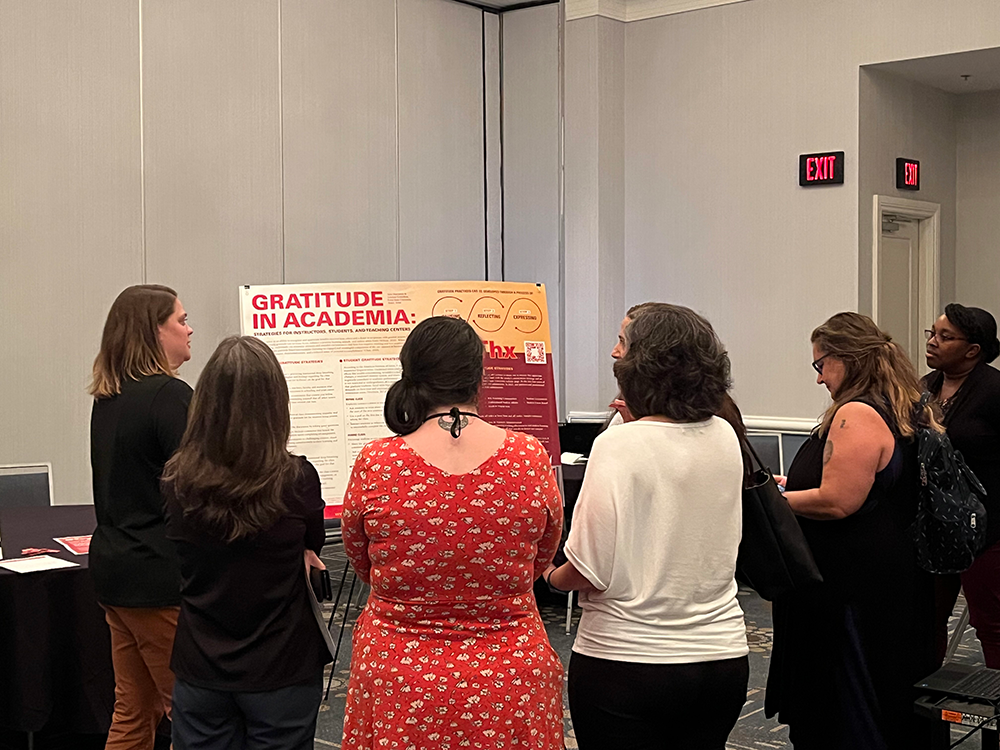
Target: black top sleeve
(170,413)
(310,495)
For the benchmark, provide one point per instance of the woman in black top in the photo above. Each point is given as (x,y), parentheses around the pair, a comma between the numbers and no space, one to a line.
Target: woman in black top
(960,346)
(139,415)
(848,651)
(245,515)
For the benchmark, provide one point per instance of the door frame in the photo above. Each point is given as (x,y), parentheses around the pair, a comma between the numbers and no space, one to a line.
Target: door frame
(928,216)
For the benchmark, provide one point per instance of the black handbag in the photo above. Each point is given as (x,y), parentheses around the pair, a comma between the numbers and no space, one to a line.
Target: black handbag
(774,557)
(319,579)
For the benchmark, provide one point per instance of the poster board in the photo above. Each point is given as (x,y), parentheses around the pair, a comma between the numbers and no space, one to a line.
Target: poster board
(338,345)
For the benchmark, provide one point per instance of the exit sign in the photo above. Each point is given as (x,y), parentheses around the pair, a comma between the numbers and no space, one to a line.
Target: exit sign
(907,174)
(821,169)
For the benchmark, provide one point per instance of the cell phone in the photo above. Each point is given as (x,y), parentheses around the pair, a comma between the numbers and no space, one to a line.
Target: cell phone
(319,579)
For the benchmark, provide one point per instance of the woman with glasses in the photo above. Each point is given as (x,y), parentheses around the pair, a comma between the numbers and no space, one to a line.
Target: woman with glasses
(848,651)
(960,346)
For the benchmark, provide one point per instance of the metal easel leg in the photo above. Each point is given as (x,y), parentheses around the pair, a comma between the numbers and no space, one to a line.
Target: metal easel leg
(956,637)
(340,637)
(569,612)
(340,590)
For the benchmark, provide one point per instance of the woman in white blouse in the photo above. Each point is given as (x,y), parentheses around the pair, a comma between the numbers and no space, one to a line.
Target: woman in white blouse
(660,657)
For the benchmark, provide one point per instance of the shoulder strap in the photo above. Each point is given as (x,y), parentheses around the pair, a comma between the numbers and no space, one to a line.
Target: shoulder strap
(918,410)
(749,446)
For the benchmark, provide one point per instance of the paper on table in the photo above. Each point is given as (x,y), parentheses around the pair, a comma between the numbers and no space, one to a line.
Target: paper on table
(78,545)
(573,458)
(37,564)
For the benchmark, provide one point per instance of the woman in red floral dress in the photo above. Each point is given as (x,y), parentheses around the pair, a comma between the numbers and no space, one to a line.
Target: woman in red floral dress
(450,523)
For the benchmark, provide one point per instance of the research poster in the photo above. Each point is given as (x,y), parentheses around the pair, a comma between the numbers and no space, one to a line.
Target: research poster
(338,345)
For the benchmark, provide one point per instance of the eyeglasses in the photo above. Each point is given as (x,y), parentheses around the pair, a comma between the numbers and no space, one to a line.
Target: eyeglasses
(943,338)
(818,364)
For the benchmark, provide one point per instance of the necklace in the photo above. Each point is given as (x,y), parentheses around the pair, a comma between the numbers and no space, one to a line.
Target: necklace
(947,403)
(459,420)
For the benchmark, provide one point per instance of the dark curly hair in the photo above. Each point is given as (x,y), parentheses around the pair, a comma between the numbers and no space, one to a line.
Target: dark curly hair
(675,365)
(442,361)
(978,326)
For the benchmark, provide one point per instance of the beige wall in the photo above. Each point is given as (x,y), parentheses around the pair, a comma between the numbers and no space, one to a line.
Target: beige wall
(978,201)
(719,103)
(900,118)
(211,144)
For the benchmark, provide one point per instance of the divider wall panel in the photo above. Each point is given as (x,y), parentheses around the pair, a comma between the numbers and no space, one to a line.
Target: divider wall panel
(205,145)
(441,171)
(338,67)
(70,218)
(531,155)
(583,344)
(494,162)
(212,154)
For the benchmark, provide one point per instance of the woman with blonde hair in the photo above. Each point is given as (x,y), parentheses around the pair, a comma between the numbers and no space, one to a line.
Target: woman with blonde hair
(139,415)
(244,513)
(848,651)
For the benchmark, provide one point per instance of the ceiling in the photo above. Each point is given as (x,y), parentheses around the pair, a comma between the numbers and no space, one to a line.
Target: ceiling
(945,71)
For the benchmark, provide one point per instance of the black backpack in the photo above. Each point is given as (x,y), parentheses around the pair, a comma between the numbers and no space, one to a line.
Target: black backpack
(950,527)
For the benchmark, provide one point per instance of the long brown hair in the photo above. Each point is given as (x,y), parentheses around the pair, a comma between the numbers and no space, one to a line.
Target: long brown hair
(130,344)
(233,463)
(875,368)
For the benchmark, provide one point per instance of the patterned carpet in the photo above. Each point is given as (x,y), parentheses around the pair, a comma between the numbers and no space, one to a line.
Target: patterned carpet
(752,732)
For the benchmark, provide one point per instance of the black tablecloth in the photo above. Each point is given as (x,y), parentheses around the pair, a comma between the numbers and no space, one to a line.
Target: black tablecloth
(55,647)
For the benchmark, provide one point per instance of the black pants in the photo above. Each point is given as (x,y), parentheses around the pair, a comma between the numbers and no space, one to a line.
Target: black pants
(283,719)
(630,706)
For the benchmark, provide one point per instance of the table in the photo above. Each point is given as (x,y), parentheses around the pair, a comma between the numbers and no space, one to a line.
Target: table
(967,713)
(55,647)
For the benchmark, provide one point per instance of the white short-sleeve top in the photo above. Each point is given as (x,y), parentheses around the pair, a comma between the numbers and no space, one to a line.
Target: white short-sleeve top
(656,530)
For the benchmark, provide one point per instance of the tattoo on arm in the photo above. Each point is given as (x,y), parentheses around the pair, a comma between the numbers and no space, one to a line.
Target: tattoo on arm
(843,423)
(827,452)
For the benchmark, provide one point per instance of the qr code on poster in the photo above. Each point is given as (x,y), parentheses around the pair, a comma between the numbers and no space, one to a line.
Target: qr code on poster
(534,352)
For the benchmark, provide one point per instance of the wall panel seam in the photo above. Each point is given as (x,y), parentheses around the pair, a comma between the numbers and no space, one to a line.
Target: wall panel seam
(486,176)
(142,153)
(281,142)
(503,203)
(395,42)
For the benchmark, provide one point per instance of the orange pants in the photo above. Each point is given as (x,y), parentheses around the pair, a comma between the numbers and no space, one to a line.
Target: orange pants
(141,642)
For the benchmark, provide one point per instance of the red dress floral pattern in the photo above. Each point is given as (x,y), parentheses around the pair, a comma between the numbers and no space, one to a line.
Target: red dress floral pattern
(450,651)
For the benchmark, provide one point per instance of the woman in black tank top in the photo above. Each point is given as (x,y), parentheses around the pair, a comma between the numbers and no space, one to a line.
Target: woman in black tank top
(847,652)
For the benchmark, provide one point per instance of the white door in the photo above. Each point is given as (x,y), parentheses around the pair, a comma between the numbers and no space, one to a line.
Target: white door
(899,275)
(905,265)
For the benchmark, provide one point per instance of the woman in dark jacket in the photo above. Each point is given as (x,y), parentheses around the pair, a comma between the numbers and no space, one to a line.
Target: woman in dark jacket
(139,415)
(960,346)
(247,517)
